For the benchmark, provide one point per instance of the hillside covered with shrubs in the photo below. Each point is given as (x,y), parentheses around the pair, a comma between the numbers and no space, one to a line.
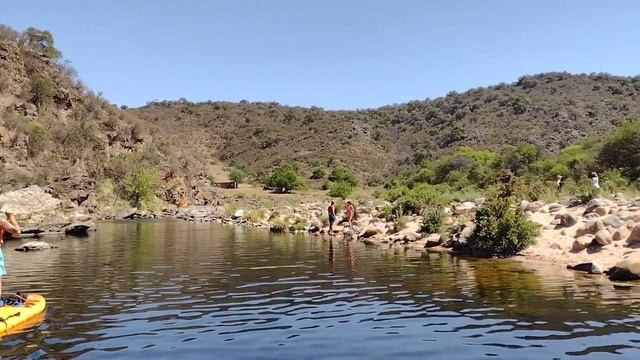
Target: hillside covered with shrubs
(57,133)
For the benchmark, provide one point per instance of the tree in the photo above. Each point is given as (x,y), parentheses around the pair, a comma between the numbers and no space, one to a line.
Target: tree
(622,150)
(519,158)
(38,136)
(43,41)
(285,179)
(238,176)
(317,173)
(344,175)
(140,186)
(42,90)
(341,189)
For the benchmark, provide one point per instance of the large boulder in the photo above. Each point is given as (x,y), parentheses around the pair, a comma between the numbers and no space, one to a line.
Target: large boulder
(535,206)
(466,207)
(603,237)
(634,236)
(568,220)
(613,221)
(589,267)
(79,229)
(590,227)
(627,269)
(594,204)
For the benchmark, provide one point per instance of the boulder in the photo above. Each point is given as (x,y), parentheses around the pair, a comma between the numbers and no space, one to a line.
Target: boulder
(579,245)
(590,227)
(594,204)
(627,269)
(634,235)
(619,234)
(524,204)
(314,229)
(613,221)
(79,229)
(603,237)
(433,240)
(555,207)
(535,206)
(568,220)
(466,207)
(238,214)
(347,234)
(591,216)
(589,267)
(35,246)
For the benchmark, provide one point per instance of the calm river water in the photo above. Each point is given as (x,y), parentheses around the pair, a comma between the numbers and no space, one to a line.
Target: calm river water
(182,290)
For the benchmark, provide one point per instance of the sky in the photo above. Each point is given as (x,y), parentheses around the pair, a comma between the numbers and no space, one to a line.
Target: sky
(335,54)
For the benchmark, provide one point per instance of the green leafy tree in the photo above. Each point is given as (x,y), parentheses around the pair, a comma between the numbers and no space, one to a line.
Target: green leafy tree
(238,176)
(622,150)
(344,175)
(285,179)
(341,189)
(501,231)
(317,173)
(42,90)
(140,187)
(43,41)
(38,136)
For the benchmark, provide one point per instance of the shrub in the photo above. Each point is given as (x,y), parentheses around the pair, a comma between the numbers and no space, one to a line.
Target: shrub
(140,186)
(400,222)
(238,176)
(341,174)
(256,215)
(341,189)
(300,224)
(42,90)
(501,231)
(38,136)
(432,220)
(417,199)
(317,173)
(622,150)
(279,226)
(230,209)
(285,179)
(613,181)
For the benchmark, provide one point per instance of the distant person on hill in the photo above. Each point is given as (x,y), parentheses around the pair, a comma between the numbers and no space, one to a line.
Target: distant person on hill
(332,216)
(559,183)
(350,212)
(11,226)
(595,180)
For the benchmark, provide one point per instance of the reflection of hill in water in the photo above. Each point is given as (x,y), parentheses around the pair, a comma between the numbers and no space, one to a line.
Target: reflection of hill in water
(138,278)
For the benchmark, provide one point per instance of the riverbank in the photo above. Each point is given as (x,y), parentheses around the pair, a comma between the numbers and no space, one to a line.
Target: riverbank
(602,231)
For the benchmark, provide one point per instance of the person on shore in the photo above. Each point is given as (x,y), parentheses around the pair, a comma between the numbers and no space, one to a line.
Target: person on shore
(559,183)
(350,212)
(595,180)
(11,226)
(332,216)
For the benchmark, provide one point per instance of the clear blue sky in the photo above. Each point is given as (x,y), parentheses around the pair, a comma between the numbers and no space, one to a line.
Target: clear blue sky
(337,54)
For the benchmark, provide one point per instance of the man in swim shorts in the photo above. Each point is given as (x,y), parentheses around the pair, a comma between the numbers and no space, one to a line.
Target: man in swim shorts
(332,216)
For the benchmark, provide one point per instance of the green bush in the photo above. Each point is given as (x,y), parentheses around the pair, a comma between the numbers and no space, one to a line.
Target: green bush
(38,136)
(414,201)
(432,220)
(613,181)
(238,176)
(43,41)
(42,90)
(285,179)
(344,175)
(279,226)
(317,173)
(622,150)
(300,224)
(341,189)
(501,231)
(140,186)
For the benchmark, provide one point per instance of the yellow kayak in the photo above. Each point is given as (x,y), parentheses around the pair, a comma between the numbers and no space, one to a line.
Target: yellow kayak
(14,316)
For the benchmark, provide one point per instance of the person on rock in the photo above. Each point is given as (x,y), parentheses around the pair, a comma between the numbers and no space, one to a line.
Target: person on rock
(332,216)
(350,212)
(8,225)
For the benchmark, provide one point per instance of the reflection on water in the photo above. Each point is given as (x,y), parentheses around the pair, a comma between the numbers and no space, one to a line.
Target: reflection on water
(183,290)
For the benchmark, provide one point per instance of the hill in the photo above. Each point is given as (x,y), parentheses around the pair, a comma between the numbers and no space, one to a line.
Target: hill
(57,133)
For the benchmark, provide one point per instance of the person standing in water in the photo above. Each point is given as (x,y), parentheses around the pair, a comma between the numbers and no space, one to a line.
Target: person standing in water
(350,212)
(11,226)
(332,216)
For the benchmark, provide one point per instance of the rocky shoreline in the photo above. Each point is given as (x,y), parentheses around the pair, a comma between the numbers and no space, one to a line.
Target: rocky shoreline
(601,234)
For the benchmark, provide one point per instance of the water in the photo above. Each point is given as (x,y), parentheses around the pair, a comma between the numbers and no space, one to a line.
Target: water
(183,290)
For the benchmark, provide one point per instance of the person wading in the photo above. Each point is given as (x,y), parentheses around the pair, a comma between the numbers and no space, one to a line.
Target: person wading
(332,216)
(350,212)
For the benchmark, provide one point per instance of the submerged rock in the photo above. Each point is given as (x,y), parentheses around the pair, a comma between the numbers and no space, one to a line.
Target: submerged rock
(35,246)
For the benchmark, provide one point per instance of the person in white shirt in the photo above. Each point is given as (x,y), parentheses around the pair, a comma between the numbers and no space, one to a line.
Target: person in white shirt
(595,180)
